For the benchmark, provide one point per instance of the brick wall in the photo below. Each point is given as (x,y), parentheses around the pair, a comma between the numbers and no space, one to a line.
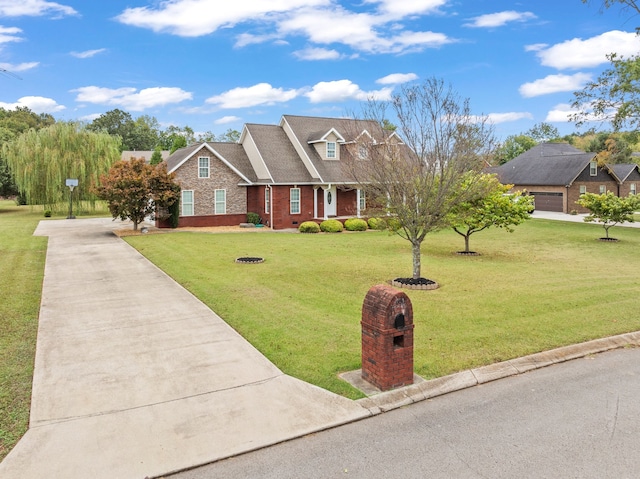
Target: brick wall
(387,348)
(220,177)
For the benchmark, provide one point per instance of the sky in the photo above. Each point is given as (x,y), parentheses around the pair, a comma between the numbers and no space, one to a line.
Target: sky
(215,65)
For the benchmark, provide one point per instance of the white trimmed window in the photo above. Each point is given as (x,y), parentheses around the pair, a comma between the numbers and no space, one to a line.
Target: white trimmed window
(583,189)
(363,154)
(267,200)
(603,189)
(331,149)
(363,200)
(187,202)
(221,202)
(593,168)
(294,201)
(203,167)
(632,189)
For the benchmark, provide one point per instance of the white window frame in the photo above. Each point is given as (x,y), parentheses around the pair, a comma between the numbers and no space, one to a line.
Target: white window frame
(632,189)
(593,168)
(583,189)
(363,153)
(332,147)
(267,200)
(603,189)
(202,169)
(363,200)
(220,205)
(294,203)
(187,207)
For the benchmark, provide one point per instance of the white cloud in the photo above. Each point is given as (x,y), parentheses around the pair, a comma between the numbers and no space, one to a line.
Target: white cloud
(9,34)
(535,47)
(260,94)
(130,98)
(19,67)
(37,104)
(560,113)
(88,53)
(193,18)
(317,54)
(554,84)
(33,8)
(227,119)
(509,116)
(578,53)
(343,90)
(374,31)
(492,20)
(397,78)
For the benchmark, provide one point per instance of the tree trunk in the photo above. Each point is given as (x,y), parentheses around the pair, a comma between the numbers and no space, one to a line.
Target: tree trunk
(466,243)
(415,248)
(135,225)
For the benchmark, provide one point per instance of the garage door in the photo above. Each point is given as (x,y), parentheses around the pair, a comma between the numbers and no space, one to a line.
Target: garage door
(548,201)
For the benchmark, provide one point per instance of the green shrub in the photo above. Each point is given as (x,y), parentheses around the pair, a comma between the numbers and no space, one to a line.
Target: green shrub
(377,224)
(309,227)
(47,213)
(331,226)
(393,224)
(355,224)
(254,218)
(174,214)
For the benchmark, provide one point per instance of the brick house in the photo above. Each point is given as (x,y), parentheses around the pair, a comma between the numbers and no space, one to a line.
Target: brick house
(556,174)
(286,173)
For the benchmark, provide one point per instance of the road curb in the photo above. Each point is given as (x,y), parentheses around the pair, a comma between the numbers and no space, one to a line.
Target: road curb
(389,400)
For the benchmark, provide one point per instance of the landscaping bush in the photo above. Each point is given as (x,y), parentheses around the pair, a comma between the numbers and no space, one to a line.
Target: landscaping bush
(47,213)
(174,214)
(355,224)
(377,224)
(331,226)
(309,227)
(254,218)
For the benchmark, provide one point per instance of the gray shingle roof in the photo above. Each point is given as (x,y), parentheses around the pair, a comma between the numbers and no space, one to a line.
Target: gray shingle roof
(623,170)
(546,164)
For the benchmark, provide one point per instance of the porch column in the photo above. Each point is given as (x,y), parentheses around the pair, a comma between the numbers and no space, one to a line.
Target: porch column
(358,202)
(315,201)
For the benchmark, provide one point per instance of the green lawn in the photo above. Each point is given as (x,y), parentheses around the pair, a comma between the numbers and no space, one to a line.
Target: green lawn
(546,285)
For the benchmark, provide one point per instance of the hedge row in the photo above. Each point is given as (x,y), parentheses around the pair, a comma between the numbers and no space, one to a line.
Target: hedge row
(335,226)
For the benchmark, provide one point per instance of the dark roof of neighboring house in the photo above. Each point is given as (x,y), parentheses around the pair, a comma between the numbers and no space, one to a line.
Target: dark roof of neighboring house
(623,170)
(546,164)
(279,155)
(146,154)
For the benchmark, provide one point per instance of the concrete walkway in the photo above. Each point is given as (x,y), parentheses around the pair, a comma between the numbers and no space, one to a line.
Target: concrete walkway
(551,215)
(135,377)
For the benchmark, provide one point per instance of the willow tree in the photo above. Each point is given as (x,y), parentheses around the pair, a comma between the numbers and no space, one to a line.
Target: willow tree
(42,160)
(422,170)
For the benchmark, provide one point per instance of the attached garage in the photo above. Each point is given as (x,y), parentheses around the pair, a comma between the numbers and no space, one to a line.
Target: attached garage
(548,201)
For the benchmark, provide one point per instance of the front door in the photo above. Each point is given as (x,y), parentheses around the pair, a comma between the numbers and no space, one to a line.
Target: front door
(330,201)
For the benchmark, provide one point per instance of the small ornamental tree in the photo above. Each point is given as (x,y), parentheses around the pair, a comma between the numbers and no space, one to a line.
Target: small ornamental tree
(493,207)
(609,209)
(156,157)
(134,189)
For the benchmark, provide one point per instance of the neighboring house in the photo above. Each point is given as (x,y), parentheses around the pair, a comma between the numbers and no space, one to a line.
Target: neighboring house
(286,173)
(556,174)
(145,155)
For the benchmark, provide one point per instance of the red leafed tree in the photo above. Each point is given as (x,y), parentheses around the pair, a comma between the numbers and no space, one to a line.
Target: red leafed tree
(134,189)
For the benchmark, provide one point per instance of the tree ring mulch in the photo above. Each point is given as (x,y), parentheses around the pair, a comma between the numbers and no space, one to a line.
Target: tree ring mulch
(412,283)
(610,240)
(250,260)
(467,253)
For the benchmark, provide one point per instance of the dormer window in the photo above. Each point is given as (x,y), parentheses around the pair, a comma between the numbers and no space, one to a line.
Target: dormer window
(593,168)
(331,149)
(363,154)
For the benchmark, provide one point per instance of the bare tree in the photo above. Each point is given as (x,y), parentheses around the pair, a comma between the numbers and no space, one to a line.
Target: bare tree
(420,171)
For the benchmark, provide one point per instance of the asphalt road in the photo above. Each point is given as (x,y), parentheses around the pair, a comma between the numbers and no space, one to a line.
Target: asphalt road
(579,419)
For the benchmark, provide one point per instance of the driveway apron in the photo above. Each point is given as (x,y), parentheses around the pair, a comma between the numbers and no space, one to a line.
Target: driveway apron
(135,377)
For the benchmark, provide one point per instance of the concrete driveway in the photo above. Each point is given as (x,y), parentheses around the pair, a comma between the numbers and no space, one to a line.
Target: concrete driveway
(135,377)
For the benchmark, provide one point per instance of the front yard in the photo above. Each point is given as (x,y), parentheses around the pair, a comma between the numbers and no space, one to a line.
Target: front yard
(546,285)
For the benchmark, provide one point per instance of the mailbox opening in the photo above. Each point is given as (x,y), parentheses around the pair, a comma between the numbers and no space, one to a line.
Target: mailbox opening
(398,341)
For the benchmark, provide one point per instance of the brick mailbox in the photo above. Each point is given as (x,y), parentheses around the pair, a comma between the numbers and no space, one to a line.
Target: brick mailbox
(387,338)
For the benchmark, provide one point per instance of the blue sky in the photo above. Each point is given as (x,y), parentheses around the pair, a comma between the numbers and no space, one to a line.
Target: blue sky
(214,64)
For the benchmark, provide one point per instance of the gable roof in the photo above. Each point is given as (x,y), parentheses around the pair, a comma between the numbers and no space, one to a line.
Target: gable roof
(126,155)
(546,164)
(622,170)
(231,154)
